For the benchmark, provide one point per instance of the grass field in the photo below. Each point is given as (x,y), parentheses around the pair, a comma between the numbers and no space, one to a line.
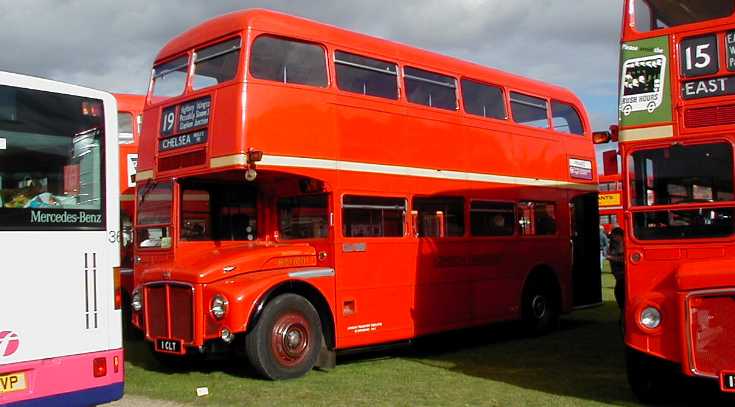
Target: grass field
(579,365)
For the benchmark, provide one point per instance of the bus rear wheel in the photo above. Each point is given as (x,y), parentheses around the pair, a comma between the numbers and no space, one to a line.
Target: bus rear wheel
(285,342)
(540,307)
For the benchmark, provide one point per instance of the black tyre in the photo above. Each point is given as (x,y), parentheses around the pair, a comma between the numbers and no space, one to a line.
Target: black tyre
(285,342)
(540,306)
(649,378)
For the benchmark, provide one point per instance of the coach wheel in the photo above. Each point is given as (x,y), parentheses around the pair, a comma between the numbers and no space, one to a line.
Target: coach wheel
(627,109)
(647,376)
(285,342)
(651,107)
(540,307)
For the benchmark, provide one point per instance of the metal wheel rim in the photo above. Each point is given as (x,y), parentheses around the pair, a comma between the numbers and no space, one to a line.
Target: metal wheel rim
(539,306)
(290,339)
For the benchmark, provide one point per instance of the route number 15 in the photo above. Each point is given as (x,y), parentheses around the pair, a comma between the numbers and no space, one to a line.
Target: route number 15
(699,56)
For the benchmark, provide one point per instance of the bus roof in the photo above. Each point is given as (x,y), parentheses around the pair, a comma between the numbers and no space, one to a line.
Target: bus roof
(301,28)
(128,102)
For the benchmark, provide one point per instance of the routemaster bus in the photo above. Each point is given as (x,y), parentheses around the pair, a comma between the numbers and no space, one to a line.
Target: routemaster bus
(303,189)
(129,119)
(677,95)
(60,325)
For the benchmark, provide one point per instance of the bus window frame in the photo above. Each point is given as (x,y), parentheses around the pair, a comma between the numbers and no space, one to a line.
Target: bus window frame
(242,59)
(628,220)
(151,83)
(457,91)
(576,110)
(413,212)
(504,92)
(549,124)
(294,38)
(397,74)
(406,215)
(629,24)
(516,225)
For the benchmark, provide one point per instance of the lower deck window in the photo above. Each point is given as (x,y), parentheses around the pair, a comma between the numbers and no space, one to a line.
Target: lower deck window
(367,216)
(537,218)
(439,216)
(492,218)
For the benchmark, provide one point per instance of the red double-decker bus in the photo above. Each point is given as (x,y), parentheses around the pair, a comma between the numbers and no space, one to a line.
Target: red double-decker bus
(304,189)
(677,95)
(129,119)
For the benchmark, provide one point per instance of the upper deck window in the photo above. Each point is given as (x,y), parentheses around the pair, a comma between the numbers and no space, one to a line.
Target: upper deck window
(288,61)
(51,161)
(658,14)
(565,118)
(430,89)
(529,110)
(667,176)
(216,64)
(365,75)
(169,78)
(483,100)
(125,128)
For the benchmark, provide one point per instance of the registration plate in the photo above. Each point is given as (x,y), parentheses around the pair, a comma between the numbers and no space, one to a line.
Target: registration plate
(12,382)
(169,346)
(727,381)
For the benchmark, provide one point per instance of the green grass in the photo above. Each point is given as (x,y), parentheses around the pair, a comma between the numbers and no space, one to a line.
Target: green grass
(579,365)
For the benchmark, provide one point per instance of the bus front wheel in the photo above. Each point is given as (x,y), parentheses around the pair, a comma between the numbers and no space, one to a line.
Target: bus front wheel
(648,376)
(285,342)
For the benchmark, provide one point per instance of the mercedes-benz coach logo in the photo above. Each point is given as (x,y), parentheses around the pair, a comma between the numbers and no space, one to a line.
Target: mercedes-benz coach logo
(9,343)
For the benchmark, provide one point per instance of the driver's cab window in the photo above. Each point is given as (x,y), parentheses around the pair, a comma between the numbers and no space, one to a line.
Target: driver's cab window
(218,212)
(303,217)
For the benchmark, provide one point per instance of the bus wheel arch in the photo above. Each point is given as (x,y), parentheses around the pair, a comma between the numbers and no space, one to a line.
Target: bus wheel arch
(541,300)
(311,294)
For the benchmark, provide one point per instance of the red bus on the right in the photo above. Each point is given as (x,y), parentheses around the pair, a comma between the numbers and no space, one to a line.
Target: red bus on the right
(676,134)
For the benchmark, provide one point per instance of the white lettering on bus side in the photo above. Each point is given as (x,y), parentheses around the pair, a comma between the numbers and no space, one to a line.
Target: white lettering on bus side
(705,87)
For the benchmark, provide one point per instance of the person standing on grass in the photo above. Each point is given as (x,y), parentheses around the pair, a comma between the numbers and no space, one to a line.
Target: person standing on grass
(616,256)
(604,242)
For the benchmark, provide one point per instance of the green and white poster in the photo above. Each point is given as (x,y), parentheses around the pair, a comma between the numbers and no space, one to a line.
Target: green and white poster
(645,89)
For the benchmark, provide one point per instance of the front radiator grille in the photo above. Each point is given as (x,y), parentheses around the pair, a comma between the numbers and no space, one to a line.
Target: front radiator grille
(169,311)
(712,329)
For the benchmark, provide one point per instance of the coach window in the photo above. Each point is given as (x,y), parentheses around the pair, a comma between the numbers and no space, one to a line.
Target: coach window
(529,110)
(288,61)
(537,218)
(483,100)
(439,216)
(303,217)
(125,128)
(216,64)
(565,118)
(169,78)
(368,216)
(430,89)
(492,218)
(366,76)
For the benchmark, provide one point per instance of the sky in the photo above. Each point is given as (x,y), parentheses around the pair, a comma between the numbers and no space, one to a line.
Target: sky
(110,45)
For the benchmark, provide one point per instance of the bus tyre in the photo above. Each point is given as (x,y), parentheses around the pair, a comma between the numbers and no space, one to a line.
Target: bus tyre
(285,342)
(647,376)
(540,308)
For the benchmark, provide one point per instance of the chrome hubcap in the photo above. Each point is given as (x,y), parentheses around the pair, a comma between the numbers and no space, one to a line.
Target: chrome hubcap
(538,306)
